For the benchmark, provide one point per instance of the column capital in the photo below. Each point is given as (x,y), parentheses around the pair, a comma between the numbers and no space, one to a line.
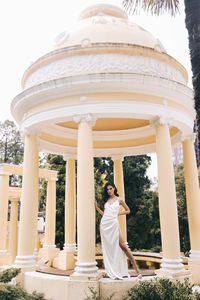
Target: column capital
(5,173)
(188,137)
(84,118)
(117,157)
(160,120)
(45,246)
(29,131)
(66,157)
(14,199)
(51,179)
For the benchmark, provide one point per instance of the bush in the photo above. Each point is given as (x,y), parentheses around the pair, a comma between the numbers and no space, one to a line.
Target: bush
(162,289)
(95,296)
(7,275)
(16,292)
(10,291)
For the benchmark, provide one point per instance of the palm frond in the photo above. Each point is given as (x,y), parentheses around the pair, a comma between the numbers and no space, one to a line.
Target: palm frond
(155,7)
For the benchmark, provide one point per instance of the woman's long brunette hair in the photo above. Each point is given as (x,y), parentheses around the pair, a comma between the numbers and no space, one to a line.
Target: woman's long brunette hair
(105,192)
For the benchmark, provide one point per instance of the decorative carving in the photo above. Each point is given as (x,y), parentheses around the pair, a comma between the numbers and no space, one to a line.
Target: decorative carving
(161,120)
(84,118)
(29,131)
(98,63)
(100,20)
(117,157)
(188,137)
(68,156)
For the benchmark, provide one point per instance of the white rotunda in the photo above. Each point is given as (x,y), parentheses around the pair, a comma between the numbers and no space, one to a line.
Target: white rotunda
(108,88)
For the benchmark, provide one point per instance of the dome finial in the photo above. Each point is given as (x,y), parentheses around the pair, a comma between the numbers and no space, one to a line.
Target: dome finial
(103,9)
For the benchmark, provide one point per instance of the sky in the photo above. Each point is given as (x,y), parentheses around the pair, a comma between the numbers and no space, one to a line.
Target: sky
(28,29)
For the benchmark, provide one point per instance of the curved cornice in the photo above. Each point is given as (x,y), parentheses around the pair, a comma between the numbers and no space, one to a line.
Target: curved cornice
(98,83)
(135,110)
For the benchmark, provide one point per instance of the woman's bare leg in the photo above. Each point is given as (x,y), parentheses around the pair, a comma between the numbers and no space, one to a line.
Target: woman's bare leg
(128,253)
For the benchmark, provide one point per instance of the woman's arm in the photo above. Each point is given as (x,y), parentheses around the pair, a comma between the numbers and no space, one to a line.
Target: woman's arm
(97,208)
(125,206)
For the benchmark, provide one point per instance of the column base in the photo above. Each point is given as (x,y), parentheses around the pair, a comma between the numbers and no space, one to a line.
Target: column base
(173,269)
(48,246)
(64,261)
(35,253)
(85,270)
(25,262)
(48,254)
(5,258)
(70,247)
(194,265)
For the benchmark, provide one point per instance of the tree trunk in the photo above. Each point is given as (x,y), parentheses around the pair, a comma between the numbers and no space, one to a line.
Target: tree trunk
(192,21)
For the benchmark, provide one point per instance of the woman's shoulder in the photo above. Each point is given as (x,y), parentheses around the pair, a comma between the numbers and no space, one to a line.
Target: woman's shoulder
(120,200)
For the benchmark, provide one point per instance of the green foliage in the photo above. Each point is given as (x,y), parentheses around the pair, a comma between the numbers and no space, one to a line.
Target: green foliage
(56,162)
(15,292)
(155,7)
(7,275)
(143,226)
(95,296)
(182,209)
(11,146)
(162,289)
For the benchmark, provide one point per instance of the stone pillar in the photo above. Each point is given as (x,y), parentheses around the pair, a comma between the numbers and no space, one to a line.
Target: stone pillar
(193,205)
(5,258)
(70,207)
(66,260)
(86,264)
(119,182)
(13,237)
(49,250)
(171,266)
(29,205)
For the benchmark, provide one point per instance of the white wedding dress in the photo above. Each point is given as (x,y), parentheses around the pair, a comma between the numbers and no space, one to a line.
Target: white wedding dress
(115,260)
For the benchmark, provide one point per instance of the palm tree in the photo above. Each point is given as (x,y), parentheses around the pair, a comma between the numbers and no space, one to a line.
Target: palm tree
(192,22)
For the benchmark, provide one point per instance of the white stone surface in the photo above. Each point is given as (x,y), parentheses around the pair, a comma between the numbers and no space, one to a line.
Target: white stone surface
(58,287)
(98,63)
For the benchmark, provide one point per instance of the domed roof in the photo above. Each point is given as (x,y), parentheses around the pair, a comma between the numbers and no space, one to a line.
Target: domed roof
(105,23)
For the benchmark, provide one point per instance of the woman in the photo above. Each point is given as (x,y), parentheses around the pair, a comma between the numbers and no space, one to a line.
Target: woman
(114,248)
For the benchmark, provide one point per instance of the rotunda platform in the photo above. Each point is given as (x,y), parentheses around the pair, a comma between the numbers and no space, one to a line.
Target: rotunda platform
(62,287)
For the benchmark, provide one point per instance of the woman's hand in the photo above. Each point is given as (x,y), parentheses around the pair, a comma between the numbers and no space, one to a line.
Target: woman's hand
(126,210)
(97,208)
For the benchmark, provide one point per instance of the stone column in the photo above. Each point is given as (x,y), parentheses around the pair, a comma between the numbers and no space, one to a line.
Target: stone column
(5,258)
(13,238)
(29,205)
(119,182)
(49,250)
(66,260)
(86,264)
(193,204)
(171,263)
(70,207)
